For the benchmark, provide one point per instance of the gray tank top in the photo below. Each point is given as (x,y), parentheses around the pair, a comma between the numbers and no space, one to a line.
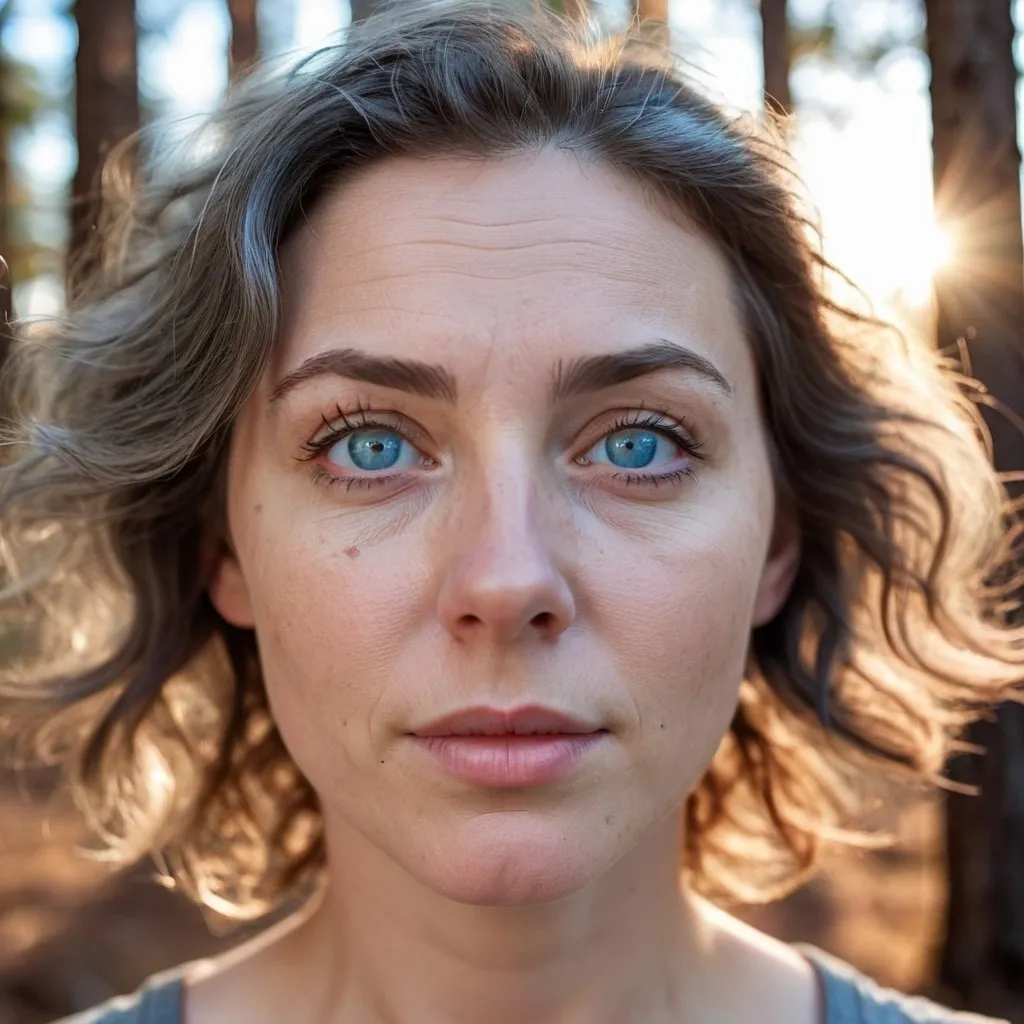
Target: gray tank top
(849,996)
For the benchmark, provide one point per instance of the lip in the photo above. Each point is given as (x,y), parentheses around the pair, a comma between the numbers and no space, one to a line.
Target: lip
(532,719)
(526,746)
(509,761)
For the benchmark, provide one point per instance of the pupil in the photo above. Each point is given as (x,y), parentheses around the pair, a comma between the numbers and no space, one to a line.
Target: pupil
(374,449)
(631,449)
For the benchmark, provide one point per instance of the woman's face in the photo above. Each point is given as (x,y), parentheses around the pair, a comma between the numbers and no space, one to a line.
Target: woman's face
(507,455)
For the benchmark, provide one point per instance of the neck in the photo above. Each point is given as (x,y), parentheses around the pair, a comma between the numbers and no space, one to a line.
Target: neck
(377,947)
(630,946)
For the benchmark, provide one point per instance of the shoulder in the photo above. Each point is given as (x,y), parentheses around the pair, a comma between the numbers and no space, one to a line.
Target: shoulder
(853,998)
(158,1001)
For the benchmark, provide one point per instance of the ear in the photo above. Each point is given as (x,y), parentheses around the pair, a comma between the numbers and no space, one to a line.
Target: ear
(227,587)
(780,568)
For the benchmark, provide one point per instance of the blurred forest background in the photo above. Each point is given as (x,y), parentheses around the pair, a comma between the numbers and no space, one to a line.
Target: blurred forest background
(905,119)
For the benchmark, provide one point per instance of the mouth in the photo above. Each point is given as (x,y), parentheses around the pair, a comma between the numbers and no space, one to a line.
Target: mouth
(531,720)
(517,748)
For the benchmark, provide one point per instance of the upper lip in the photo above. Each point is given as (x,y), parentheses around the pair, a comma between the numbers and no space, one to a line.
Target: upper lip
(523,721)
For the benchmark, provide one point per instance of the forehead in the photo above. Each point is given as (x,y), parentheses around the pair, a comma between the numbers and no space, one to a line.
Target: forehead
(538,255)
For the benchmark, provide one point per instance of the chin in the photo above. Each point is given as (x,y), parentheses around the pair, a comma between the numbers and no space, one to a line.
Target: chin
(498,862)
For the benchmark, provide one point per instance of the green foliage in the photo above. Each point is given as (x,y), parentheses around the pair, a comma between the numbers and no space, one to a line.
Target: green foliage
(568,8)
(838,39)
(23,98)
(23,95)
(830,38)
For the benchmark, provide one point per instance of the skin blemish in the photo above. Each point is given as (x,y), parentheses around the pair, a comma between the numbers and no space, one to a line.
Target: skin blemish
(352,552)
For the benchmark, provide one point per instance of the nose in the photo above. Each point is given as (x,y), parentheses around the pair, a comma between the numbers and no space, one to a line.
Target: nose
(503,583)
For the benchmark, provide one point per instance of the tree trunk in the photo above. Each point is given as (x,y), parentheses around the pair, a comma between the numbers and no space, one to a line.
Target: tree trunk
(776,54)
(981,299)
(5,138)
(5,188)
(107,99)
(244,36)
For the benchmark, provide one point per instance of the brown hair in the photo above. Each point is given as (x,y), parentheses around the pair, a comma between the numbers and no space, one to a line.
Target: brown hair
(895,632)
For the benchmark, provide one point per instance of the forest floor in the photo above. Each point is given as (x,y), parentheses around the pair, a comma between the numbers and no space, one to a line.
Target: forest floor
(72,935)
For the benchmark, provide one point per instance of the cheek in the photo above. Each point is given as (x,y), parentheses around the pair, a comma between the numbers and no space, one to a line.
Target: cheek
(332,611)
(676,615)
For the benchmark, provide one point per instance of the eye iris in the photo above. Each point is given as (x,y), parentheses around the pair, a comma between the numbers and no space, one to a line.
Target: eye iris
(631,449)
(374,449)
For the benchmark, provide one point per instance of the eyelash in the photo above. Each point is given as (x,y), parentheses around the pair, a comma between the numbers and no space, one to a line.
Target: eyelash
(660,423)
(363,419)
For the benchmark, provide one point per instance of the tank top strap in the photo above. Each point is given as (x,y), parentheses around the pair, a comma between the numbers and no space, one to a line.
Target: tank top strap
(851,997)
(161,1001)
(158,1001)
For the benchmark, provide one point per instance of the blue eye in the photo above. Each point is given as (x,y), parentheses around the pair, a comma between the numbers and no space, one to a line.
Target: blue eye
(634,448)
(631,449)
(372,450)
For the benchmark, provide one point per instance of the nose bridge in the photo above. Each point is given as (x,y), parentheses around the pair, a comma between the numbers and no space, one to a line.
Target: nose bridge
(512,526)
(504,577)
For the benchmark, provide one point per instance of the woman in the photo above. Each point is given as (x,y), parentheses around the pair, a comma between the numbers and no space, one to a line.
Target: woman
(452,498)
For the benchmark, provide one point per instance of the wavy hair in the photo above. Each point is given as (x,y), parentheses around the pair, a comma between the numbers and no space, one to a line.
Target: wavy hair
(897,630)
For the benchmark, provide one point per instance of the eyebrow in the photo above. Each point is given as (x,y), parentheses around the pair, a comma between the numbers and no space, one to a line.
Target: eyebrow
(581,376)
(594,373)
(400,374)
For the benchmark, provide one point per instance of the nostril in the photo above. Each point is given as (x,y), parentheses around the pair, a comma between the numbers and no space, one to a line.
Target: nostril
(543,620)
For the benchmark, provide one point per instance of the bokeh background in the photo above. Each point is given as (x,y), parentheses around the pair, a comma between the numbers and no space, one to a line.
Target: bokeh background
(903,117)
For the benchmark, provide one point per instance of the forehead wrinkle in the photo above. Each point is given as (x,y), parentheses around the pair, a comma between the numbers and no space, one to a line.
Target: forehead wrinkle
(473,215)
(351,261)
(605,257)
(508,201)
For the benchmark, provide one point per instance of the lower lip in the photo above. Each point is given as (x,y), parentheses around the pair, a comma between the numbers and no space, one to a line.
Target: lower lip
(509,760)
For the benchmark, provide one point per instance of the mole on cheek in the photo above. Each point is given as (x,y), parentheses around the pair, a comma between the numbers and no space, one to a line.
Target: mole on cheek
(352,552)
